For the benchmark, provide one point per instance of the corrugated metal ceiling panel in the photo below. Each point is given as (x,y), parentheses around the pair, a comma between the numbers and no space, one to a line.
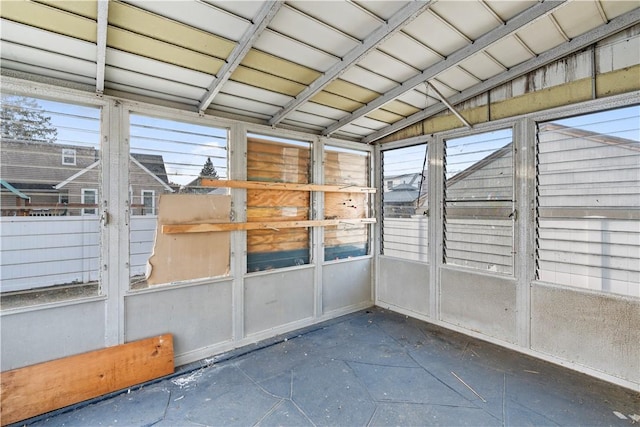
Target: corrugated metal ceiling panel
(295,51)
(409,50)
(431,31)
(162,51)
(541,35)
(312,32)
(369,79)
(392,68)
(266,81)
(345,16)
(470,17)
(200,15)
(174,50)
(252,92)
(50,19)
(457,79)
(482,66)
(321,110)
(509,52)
(46,40)
(578,17)
(507,9)
(152,67)
(157,27)
(86,8)
(270,64)
(385,9)
(46,72)
(152,83)
(45,59)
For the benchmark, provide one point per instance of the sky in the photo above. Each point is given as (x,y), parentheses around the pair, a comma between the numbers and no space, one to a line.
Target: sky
(185,147)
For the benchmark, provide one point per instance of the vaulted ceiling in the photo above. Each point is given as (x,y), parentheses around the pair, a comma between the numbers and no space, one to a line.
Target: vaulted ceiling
(358,70)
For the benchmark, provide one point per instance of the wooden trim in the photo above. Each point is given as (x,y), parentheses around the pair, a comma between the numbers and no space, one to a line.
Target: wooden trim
(269,225)
(260,185)
(37,389)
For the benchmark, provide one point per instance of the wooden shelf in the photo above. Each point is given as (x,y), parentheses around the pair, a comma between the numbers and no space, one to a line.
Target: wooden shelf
(265,185)
(268,225)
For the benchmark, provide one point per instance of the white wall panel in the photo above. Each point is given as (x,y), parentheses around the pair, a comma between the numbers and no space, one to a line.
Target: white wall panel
(197,316)
(346,284)
(277,298)
(51,333)
(404,284)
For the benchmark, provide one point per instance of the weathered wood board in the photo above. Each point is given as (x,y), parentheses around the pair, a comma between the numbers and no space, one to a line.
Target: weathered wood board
(44,387)
(178,257)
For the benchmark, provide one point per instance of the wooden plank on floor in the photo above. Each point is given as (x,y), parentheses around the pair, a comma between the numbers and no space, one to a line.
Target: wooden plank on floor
(44,387)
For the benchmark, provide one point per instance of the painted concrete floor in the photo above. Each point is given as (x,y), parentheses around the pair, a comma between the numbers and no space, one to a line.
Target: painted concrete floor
(371,368)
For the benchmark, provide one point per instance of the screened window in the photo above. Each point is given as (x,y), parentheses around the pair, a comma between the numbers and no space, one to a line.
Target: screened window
(588,201)
(277,160)
(479,203)
(49,230)
(173,167)
(405,203)
(346,168)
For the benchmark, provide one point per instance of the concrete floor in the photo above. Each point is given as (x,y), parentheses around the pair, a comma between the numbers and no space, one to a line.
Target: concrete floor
(373,368)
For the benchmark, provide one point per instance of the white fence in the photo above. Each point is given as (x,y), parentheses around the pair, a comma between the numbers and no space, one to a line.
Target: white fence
(406,238)
(37,252)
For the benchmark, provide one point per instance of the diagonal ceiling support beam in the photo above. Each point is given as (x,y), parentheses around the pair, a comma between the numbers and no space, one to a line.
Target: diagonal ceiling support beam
(101,43)
(401,18)
(259,23)
(449,106)
(514,24)
(580,42)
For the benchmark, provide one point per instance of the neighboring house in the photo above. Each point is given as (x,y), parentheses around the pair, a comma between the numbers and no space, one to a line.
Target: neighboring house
(50,179)
(195,187)
(404,195)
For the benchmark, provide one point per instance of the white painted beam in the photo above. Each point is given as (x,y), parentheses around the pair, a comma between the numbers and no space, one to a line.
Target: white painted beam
(580,42)
(101,43)
(449,106)
(260,22)
(514,24)
(401,18)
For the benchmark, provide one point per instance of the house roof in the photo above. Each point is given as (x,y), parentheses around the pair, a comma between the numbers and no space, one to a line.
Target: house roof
(154,163)
(401,196)
(357,70)
(12,189)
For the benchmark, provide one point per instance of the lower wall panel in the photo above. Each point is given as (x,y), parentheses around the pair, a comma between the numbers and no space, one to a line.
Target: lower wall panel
(277,298)
(345,284)
(197,316)
(51,333)
(479,302)
(404,284)
(595,330)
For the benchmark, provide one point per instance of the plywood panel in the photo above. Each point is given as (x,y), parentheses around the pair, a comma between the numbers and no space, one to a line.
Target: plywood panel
(178,257)
(346,168)
(277,162)
(36,389)
(345,205)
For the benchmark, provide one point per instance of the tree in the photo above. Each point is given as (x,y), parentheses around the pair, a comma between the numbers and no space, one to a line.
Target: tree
(208,171)
(23,119)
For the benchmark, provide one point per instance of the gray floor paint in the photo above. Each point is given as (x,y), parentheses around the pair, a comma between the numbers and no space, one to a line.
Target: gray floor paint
(371,368)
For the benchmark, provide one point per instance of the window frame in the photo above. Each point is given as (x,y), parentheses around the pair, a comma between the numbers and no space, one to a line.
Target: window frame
(83,200)
(68,153)
(153,201)
(508,124)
